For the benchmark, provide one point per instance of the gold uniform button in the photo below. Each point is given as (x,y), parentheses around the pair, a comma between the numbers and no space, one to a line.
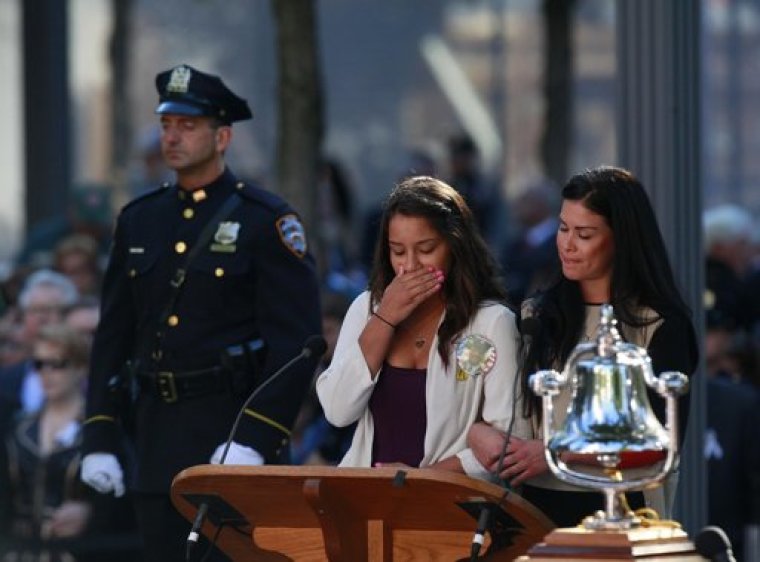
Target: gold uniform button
(284,442)
(219,272)
(240,185)
(132,273)
(180,247)
(188,213)
(199,195)
(173,320)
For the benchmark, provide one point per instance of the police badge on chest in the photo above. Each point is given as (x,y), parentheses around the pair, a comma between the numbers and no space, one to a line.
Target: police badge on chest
(225,237)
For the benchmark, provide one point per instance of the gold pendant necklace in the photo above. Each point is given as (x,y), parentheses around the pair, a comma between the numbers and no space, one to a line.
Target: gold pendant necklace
(425,328)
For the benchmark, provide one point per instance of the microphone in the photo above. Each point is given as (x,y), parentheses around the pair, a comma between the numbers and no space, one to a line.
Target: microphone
(713,544)
(480,532)
(485,513)
(315,346)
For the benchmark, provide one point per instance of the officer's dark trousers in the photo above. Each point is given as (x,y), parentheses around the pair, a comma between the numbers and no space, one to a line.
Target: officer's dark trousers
(164,531)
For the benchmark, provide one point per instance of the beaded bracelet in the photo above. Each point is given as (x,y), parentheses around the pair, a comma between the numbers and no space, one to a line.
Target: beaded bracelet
(376,315)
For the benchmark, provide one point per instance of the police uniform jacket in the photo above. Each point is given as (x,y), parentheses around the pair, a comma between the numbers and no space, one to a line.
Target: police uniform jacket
(254,279)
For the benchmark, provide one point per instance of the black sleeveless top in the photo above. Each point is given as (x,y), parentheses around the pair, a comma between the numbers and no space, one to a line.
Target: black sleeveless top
(399,414)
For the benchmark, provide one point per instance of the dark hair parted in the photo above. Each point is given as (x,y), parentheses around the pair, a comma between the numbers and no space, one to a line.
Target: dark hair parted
(641,272)
(473,276)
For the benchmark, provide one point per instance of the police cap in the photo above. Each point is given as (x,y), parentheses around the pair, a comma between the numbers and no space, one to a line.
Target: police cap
(183,90)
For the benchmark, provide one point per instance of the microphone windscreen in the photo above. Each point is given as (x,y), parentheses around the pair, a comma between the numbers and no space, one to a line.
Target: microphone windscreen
(711,541)
(315,345)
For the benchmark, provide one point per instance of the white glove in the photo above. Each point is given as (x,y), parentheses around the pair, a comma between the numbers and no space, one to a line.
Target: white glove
(102,472)
(238,454)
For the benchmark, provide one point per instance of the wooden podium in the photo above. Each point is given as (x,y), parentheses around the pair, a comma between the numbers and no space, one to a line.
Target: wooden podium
(305,513)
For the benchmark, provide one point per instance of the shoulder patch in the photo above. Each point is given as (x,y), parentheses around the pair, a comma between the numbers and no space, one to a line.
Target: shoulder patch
(292,234)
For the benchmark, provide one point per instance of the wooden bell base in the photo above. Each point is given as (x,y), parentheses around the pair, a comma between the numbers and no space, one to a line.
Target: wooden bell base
(652,544)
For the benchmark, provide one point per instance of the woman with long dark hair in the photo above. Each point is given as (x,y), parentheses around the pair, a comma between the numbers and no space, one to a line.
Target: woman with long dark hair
(611,251)
(430,347)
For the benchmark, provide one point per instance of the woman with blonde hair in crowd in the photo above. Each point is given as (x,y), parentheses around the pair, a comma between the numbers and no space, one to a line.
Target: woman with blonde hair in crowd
(44,507)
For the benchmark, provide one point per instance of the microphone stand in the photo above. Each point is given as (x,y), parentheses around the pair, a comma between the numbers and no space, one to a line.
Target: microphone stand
(485,513)
(314,346)
(530,326)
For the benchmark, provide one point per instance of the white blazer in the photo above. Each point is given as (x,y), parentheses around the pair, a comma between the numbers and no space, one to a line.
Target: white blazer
(453,404)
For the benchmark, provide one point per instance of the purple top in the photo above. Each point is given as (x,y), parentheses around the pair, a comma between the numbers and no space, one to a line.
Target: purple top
(400,415)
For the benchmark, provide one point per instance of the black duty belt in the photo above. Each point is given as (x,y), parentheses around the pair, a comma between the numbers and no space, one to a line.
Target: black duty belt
(172,386)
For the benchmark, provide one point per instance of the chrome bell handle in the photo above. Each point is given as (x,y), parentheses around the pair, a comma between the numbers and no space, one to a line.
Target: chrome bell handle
(548,383)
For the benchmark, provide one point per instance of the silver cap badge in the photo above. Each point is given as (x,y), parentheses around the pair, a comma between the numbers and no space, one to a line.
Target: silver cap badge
(179,80)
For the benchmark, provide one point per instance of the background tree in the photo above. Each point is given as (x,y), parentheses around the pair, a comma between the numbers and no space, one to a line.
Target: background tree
(47,113)
(558,87)
(121,129)
(300,110)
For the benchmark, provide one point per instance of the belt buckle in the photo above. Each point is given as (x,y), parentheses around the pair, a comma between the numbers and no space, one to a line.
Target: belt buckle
(167,387)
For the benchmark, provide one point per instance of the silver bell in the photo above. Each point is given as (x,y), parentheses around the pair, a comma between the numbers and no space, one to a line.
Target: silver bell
(609,415)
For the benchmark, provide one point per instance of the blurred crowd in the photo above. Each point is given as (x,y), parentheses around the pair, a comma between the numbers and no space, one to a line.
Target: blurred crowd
(732,360)
(50,308)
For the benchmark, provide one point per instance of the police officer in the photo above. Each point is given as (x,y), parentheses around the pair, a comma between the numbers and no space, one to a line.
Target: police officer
(200,318)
